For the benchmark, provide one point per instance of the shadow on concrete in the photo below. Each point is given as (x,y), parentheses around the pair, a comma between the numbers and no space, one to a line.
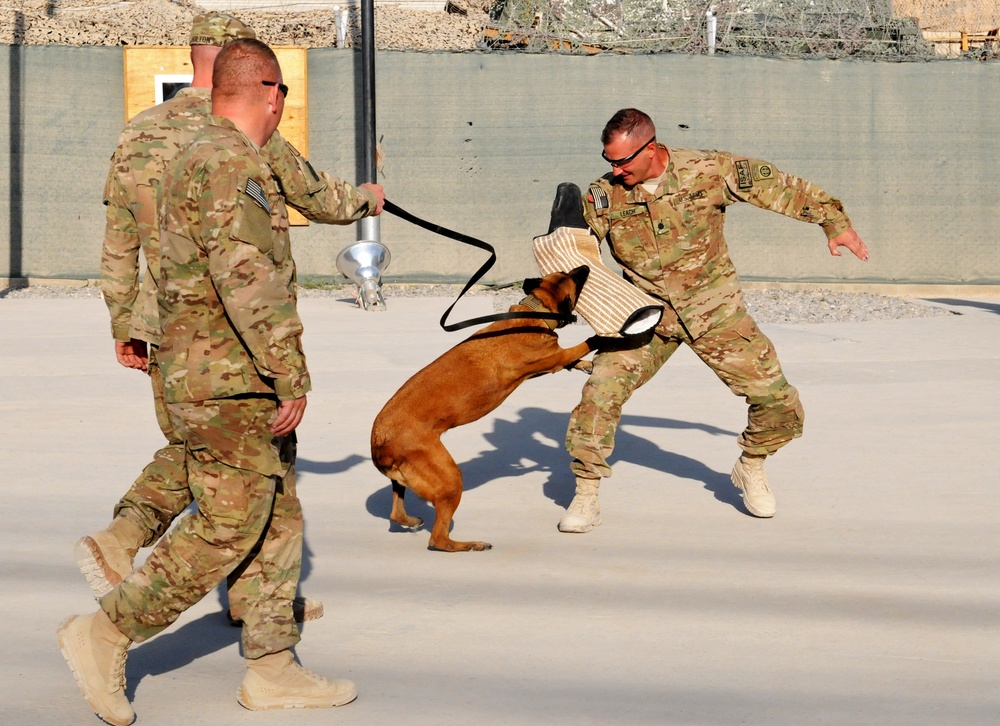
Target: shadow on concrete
(177,648)
(990,307)
(534,442)
(331,467)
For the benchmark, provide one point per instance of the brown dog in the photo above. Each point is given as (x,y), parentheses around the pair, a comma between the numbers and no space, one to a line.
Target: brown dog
(462,386)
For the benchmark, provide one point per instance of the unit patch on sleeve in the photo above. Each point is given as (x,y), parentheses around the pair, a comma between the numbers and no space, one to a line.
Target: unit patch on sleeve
(744,176)
(763,172)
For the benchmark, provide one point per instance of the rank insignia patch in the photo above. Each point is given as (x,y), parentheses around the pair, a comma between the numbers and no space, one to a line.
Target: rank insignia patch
(744,176)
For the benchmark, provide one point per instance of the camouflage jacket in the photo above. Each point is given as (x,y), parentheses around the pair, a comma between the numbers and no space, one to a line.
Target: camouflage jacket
(226,289)
(670,243)
(148,142)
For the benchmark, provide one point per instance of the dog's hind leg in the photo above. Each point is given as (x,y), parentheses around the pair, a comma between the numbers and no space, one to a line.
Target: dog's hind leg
(434,476)
(398,513)
(445,507)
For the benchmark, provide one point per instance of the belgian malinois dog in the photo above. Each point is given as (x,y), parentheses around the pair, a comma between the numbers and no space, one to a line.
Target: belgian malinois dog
(461,386)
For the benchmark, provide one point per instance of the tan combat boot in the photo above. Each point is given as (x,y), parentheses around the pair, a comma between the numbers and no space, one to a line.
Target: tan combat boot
(307,608)
(105,558)
(584,512)
(303,609)
(278,681)
(749,476)
(95,651)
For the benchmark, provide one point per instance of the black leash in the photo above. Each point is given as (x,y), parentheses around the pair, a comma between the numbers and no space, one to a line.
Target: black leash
(458,236)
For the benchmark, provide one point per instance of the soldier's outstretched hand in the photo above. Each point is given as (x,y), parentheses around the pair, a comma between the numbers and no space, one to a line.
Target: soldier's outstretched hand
(849,239)
(289,416)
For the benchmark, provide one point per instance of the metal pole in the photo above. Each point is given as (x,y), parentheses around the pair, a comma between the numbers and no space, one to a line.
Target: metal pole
(370,226)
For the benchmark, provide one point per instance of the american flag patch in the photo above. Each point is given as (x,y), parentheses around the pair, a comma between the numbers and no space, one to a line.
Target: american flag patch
(599,197)
(256,192)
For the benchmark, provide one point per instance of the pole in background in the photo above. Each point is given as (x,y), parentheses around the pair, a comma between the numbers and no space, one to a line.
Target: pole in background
(370,229)
(365,260)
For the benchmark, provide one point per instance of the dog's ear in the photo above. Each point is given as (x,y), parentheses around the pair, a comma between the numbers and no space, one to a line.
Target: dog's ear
(531,284)
(579,275)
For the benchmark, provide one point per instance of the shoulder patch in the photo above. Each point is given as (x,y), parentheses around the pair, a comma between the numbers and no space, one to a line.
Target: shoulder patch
(763,172)
(255,191)
(599,197)
(744,176)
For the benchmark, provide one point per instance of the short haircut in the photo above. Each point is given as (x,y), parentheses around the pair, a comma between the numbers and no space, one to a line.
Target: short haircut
(240,67)
(628,122)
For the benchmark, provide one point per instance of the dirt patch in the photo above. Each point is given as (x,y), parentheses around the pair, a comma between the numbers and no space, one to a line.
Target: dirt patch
(168,22)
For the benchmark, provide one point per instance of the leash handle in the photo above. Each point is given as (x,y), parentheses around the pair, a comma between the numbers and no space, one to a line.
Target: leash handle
(458,236)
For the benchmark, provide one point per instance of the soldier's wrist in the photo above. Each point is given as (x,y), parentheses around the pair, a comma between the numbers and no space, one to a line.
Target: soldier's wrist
(832,229)
(288,389)
(370,200)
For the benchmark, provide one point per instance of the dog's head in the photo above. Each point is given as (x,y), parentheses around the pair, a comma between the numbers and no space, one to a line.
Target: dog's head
(558,291)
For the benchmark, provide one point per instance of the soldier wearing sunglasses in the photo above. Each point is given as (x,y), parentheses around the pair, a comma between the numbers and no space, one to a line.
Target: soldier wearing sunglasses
(147,144)
(661,210)
(235,385)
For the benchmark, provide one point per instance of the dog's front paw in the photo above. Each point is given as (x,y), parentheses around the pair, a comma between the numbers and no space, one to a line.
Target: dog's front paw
(587,366)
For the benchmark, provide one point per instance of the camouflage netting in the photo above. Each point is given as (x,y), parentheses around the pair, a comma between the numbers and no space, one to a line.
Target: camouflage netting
(864,29)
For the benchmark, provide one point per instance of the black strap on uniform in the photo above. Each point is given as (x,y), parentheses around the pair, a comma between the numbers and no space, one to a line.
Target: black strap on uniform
(458,236)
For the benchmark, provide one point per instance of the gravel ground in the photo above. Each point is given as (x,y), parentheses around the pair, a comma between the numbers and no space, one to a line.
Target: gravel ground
(168,22)
(767,306)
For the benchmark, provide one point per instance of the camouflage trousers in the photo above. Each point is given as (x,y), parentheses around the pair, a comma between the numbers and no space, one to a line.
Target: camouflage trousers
(248,524)
(739,353)
(161,492)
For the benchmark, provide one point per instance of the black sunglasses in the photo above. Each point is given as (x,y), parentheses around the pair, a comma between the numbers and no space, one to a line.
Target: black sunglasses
(630,157)
(281,87)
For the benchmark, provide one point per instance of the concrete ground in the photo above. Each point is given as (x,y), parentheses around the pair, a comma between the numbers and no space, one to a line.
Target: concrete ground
(873,597)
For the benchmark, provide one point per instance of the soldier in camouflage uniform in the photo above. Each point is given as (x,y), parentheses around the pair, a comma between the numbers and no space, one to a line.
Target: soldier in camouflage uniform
(147,144)
(662,211)
(235,382)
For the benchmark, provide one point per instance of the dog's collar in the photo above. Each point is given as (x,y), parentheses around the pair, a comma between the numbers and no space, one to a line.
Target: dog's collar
(533,303)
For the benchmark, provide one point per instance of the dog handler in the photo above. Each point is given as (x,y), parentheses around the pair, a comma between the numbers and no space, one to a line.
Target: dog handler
(147,144)
(235,381)
(662,211)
